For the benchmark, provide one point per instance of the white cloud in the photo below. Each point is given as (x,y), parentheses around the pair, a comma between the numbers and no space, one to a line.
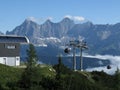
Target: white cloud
(104,68)
(32,19)
(115,63)
(75,18)
(78,18)
(68,16)
(49,18)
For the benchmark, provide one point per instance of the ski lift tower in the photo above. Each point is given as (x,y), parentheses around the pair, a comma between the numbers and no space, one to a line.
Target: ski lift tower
(73,44)
(82,45)
(76,44)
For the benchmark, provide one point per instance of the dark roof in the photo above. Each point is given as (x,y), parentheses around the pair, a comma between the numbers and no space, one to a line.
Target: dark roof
(13,39)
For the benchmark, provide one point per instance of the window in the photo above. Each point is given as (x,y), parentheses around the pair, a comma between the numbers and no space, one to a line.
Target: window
(17,59)
(4,58)
(10,46)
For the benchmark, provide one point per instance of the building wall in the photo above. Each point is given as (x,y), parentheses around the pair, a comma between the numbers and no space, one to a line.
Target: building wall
(9,49)
(10,54)
(10,61)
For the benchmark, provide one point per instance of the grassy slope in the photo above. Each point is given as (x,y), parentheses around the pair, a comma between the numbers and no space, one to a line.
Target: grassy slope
(12,74)
(9,74)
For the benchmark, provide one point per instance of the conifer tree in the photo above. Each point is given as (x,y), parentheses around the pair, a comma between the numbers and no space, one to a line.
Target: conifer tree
(32,57)
(28,75)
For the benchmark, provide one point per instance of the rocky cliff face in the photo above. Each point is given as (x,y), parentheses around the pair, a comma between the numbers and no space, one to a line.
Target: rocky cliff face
(103,39)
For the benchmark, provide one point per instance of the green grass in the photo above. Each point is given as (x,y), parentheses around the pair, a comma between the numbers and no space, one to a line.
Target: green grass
(88,75)
(10,75)
(47,70)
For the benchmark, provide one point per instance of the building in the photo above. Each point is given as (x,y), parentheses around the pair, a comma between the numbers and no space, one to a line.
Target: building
(10,49)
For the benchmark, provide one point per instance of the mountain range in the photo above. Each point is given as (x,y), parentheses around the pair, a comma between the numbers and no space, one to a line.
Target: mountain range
(100,38)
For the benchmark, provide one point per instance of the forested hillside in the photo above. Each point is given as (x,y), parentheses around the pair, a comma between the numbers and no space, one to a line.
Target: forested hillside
(57,77)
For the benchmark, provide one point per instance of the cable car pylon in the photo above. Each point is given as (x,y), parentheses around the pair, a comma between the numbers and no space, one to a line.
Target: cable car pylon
(76,44)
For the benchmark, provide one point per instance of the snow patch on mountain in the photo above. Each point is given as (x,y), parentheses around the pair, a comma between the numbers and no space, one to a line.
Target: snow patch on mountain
(104,34)
(45,41)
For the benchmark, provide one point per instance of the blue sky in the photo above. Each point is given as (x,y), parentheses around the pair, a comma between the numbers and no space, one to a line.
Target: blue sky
(14,12)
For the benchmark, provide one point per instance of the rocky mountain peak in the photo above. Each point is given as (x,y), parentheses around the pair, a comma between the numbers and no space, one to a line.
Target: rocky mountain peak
(98,36)
(67,21)
(48,21)
(29,22)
